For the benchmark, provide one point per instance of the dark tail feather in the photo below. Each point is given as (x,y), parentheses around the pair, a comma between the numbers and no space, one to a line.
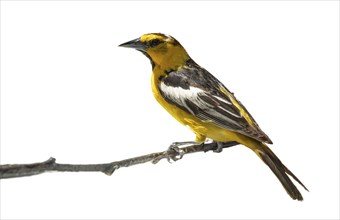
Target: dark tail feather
(294,177)
(280,171)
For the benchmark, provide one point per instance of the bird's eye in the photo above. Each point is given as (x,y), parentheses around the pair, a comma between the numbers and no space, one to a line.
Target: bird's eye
(154,42)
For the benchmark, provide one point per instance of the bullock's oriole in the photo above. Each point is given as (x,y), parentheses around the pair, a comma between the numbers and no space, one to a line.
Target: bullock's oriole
(198,100)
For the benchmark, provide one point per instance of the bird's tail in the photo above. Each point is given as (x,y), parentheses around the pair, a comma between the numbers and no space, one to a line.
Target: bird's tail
(279,169)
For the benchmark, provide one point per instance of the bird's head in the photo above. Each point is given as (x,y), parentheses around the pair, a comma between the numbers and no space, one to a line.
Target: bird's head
(164,51)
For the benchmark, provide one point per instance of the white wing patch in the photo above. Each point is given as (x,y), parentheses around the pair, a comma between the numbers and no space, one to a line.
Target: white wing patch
(180,95)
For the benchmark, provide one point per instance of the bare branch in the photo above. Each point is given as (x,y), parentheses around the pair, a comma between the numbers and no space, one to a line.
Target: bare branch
(173,153)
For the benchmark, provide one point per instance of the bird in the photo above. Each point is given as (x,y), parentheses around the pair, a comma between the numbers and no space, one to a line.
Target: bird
(198,100)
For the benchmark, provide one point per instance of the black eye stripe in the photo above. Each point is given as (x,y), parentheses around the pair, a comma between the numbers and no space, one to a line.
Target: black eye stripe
(154,42)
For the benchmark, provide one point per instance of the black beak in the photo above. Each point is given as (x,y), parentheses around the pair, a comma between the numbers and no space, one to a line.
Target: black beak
(135,44)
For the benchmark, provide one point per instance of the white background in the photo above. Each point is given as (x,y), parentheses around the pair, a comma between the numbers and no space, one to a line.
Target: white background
(69,92)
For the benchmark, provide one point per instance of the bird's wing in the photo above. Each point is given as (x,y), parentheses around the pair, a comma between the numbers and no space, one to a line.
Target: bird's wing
(196,91)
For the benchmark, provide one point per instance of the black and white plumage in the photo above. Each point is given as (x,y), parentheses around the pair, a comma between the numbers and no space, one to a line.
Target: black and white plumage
(193,89)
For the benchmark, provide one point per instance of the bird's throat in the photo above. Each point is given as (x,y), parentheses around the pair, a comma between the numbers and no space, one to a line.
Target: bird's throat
(169,60)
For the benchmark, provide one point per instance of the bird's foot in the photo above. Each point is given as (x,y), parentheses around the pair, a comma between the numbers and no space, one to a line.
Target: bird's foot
(173,153)
(219,148)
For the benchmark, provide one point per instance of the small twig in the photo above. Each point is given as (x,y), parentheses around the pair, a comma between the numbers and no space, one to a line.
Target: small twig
(21,170)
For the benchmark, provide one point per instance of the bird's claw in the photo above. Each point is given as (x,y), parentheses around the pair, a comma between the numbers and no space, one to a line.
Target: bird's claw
(173,153)
(219,148)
